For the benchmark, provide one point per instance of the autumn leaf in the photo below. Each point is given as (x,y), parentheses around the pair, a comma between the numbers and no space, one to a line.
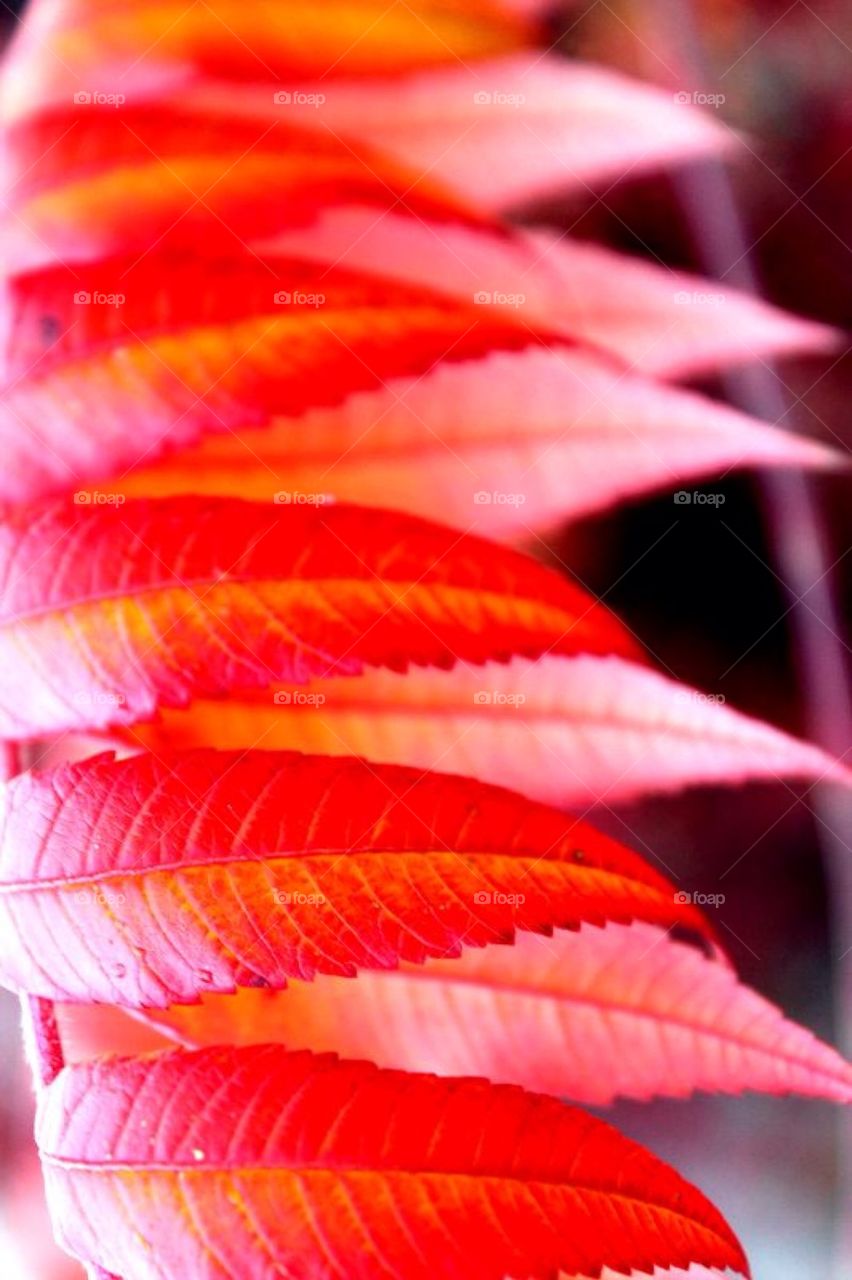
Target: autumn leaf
(111,611)
(152,880)
(110,366)
(500,132)
(250,1161)
(266,39)
(566,732)
(244,374)
(624,1011)
(85,182)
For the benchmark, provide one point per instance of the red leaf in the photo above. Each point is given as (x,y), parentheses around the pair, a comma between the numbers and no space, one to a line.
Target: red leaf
(381,392)
(147,881)
(254,1161)
(623,1011)
(110,365)
(85,182)
(509,445)
(110,612)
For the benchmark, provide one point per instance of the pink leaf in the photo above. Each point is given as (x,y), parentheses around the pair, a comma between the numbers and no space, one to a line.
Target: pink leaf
(568,732)
(623,1011)
(506,130)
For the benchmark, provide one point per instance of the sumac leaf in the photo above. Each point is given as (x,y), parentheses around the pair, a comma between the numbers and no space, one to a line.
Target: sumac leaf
(118,361)
(624,1011)
(257,1161)
(508,445)
(110,612)
(379,392)
(84,182)
(152,880)
(567,732)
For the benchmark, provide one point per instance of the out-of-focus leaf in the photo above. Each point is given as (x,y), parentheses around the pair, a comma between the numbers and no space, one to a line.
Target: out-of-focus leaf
(84,182)
(279,374)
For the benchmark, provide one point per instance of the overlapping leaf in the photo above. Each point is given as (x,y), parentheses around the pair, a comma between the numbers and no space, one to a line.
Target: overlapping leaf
(502,131)
(149,881)
(285,374)
(263,39)
(470,121)
(566,732)
(85,181)
(623,1011)
(110,612)
(237,1163)
(112,365)
(509,445)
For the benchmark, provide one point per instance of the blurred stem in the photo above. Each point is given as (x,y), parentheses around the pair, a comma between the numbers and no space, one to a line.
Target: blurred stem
(41,1038)
(799,543)
(41,1032)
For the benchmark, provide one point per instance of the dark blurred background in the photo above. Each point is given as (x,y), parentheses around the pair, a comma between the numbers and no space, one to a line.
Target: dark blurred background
(703,587)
